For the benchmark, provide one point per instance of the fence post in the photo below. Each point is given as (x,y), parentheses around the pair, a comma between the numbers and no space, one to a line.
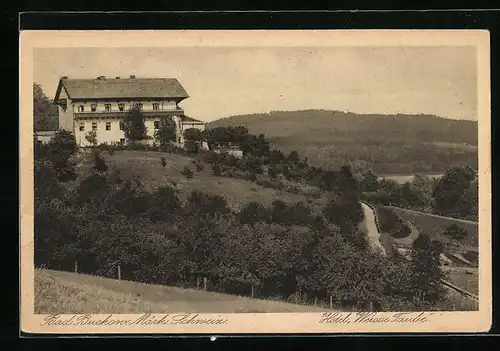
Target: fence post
(119,273)
(76,266)
(371,306)
(198,283)
(205,283)
(252,291)
(331,302)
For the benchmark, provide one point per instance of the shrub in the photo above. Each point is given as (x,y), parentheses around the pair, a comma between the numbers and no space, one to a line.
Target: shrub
(93,189)
(254,212)
(99,163)
(202,204)
(210,156)
(165,204)
(217,170)
(455,232)
(187,172)
(199,166)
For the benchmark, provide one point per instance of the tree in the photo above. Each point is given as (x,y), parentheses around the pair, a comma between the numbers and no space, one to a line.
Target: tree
(187,172)
(44,112)
(293,157)
(165,205)
(91,137)
(60,149)
(191,146)
(166,132)
(134,126)
(426,273)
(193,134)
(99,163)
(451,193)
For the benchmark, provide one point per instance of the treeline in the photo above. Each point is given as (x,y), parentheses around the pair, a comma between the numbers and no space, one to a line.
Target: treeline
(388,144)
(281,252)
(45,114)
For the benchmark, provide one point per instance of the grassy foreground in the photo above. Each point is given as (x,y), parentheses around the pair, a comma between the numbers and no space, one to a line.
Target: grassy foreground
(65,292)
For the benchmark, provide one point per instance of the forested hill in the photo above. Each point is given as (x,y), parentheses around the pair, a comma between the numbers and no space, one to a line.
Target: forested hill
(390,144)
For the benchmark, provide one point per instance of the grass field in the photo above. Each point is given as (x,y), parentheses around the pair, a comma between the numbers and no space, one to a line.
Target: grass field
(435,225)
(65,292)
(147,165)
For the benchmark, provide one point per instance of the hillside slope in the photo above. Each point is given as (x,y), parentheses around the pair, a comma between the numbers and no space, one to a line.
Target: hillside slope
(390,144)
(65,292)
(147,166)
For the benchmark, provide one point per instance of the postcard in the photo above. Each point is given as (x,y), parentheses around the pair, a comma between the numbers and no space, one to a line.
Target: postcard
(236,182)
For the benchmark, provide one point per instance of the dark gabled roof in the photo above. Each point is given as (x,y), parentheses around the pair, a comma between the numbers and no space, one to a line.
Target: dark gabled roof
(126,88)
(190,119)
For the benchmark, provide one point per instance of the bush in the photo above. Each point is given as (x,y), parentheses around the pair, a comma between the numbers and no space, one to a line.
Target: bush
(455,232)
(199,166)
(93,189)
(202,204)
(217,170)
(254,212)
(210,157)
(99,163)
(187,172)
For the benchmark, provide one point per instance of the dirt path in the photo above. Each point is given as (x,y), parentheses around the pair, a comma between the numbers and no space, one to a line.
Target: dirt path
(372,229)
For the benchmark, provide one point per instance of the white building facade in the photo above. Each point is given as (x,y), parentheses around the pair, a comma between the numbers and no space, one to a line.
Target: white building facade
(101,104)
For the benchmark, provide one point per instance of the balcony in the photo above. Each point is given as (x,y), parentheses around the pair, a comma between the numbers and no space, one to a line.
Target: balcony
(121,114)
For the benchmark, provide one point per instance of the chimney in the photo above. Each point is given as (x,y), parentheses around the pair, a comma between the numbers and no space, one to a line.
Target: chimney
(101,78)
(117,77)
(132,76)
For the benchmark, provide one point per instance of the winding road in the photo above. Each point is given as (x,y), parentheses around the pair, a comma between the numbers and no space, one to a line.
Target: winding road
(372,229)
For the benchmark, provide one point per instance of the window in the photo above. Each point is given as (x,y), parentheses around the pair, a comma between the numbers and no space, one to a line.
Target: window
(157,124)
(81,128)
(179,140)
(121,106)
(122,140)
(121,125)
(108,125)
(94,126)
(93,107)
(80,108)
(156,106)
(107,107)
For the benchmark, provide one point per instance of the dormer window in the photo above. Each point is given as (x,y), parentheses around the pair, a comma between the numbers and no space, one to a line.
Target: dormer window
(107,107)
(93,107)
(121,106)
(138,105)
(156,106)
(81,108)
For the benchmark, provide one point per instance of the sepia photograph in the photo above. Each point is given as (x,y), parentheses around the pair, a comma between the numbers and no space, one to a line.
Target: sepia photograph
(189,182)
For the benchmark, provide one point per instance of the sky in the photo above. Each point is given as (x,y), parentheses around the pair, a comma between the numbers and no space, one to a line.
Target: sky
(226,81)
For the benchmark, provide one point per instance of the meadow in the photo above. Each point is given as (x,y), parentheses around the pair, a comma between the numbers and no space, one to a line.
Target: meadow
(57,291)
(147,165)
